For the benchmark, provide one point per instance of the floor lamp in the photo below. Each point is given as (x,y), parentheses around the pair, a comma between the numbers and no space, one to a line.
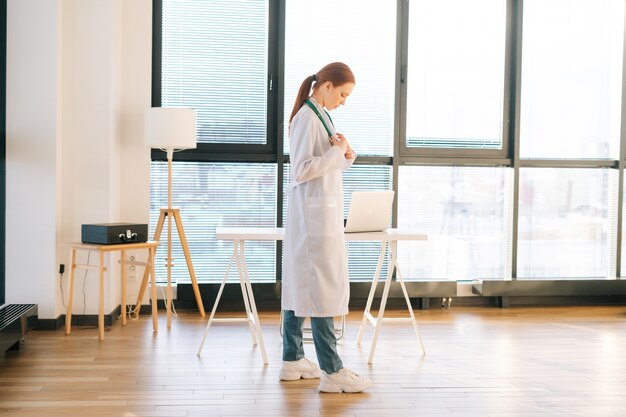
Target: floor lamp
(170,129)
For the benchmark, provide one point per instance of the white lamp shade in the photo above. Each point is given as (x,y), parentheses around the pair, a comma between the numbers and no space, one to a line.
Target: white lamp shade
(170,128)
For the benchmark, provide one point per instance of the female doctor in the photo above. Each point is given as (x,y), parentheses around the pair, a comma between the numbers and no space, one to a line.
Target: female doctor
(315,282)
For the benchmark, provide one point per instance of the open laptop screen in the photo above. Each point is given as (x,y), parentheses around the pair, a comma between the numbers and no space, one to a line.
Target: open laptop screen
(370,211)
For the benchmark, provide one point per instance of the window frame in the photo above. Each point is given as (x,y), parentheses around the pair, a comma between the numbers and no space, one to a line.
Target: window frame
(225,151)
(3,108)
(508,79)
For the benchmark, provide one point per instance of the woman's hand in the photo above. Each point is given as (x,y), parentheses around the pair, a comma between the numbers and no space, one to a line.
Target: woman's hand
(339,140)
(348,152)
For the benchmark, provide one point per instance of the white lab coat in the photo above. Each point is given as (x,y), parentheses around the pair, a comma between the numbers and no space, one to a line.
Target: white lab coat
(315,279)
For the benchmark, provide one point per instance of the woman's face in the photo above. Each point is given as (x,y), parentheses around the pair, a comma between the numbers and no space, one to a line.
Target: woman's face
(335,96)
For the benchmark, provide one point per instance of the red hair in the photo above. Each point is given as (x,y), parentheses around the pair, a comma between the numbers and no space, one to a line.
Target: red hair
(337,73)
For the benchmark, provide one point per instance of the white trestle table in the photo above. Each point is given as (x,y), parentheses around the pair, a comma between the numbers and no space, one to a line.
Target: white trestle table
(388,238)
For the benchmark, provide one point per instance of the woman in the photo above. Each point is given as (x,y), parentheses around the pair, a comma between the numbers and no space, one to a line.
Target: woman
(315,281)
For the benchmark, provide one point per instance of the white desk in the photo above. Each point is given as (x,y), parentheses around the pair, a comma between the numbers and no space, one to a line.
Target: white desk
(239,235)
(389,240)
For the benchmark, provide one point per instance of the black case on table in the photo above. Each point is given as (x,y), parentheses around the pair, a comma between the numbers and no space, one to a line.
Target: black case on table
(114,233)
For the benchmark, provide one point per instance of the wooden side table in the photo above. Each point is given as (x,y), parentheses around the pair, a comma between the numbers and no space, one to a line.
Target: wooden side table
(102,249)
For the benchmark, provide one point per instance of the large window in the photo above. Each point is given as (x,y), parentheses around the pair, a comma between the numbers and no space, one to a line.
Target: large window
(467,214)
(455,75)
(360,33)
(211,195)
(572,79)
(497,123)
(362,256)
(566,223)
(215,60)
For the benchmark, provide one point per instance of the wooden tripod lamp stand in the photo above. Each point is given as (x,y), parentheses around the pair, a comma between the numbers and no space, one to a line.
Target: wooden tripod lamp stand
(170,129)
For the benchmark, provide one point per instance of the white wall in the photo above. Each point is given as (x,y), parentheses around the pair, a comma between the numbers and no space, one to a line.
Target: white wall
(135,97)
(78,82)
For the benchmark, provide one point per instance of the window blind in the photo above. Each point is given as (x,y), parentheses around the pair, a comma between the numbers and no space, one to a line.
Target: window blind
(362,256)
(567,223)
(211,195)
(214,59)
(455,74)
(467,214)
(571,98)
(362,34)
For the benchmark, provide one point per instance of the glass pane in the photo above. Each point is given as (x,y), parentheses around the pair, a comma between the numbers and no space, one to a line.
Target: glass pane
(455,73)
(211,195)
(467,214)
(214,60)
(362,34)
(362,256)
(566,223)
(571,79)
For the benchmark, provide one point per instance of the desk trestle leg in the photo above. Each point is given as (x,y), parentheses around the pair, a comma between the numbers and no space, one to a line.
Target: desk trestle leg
(243,270)
(410,307)
(381,313)
(376,322)
(252,316)
(370,297)
(249,296)
(217,300)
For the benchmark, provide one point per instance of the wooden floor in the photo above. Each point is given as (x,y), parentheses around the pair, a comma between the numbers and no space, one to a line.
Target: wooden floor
(480,361)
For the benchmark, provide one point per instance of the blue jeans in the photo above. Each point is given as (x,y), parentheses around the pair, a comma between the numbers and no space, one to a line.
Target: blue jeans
(323,329)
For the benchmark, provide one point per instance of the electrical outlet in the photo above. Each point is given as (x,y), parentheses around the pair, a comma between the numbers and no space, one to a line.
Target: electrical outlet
(131,270)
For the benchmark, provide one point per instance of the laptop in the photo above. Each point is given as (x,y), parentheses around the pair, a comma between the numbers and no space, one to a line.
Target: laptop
(370,211)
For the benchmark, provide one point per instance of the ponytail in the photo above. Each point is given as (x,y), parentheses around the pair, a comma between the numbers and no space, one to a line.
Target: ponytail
(303,94)
(337,73)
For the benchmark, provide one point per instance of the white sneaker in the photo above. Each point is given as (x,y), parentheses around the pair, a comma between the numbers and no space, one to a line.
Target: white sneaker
(344,380)
(303,368)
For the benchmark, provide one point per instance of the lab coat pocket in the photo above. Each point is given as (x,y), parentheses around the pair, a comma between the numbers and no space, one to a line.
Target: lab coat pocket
(323,217)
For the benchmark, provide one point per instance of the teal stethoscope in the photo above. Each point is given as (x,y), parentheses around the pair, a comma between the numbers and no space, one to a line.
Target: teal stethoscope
(312,106)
